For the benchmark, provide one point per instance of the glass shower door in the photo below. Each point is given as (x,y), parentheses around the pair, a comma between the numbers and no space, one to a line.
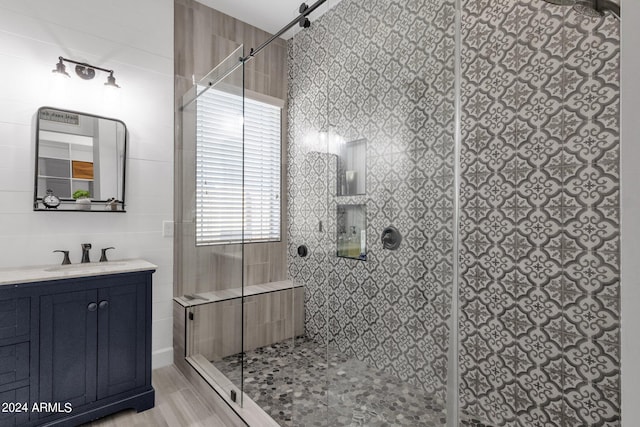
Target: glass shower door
(372,189)
(212,246)
(391,314)
(310,221)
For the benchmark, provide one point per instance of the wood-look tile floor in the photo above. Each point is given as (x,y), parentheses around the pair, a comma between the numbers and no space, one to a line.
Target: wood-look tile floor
(178,404)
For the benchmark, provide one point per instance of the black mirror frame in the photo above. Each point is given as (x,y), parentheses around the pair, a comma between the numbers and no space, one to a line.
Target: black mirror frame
(36,200)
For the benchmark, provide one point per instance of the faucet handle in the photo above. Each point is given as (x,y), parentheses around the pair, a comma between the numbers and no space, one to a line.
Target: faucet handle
(103,257)
(66,259)
(85,252)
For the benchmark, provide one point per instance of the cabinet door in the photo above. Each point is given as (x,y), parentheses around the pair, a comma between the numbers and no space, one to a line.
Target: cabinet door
(122,324)
(68,346)
(14,317)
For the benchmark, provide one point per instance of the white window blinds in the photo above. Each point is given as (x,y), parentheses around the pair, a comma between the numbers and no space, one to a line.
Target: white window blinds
(220,166)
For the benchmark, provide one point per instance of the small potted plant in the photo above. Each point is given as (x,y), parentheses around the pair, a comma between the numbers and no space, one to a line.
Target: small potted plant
(83,199)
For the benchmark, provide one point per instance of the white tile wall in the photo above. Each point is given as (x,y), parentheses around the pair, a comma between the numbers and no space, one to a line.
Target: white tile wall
(135,39)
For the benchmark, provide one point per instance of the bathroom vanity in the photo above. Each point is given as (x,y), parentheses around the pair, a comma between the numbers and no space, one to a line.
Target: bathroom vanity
(75,342)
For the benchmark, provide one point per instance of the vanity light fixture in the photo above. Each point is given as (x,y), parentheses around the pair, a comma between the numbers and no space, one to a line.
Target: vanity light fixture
(84,71)
(111,81)
(61,69)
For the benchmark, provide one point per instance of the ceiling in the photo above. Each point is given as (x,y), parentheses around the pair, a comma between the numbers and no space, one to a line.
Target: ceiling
(269,15)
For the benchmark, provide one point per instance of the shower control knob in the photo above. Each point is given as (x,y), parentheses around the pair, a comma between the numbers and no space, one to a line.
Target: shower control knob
(303,251)
(391,238)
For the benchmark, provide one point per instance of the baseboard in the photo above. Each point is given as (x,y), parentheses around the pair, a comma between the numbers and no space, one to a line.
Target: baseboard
(140,402)
(161,358)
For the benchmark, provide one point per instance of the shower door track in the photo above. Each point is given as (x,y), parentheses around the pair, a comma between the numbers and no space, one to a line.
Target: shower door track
(304,12)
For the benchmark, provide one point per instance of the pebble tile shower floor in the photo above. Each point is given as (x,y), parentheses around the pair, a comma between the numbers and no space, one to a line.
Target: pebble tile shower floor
(291,385)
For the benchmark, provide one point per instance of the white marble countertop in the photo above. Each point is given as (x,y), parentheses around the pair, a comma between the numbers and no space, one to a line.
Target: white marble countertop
(16,275)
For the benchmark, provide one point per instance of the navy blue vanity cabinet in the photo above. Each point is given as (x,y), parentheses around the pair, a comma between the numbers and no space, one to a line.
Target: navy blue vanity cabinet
(15,330)
(88,343)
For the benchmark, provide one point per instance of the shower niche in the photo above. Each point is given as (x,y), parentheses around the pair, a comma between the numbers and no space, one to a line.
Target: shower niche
(352,234)
(352,168)
(351,214)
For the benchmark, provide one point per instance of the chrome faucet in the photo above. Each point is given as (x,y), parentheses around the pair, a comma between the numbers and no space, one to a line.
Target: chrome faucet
(85,252)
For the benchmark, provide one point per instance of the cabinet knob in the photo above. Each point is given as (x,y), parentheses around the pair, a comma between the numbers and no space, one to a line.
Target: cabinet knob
(92,307)
(104,304)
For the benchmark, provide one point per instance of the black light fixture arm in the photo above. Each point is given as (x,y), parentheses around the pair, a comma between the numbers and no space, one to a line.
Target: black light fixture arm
(301,19)
(84,64)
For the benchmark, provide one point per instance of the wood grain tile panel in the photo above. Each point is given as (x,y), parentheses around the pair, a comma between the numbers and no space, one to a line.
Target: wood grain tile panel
(268,318)
(179,337)
(203,38)
(203,298)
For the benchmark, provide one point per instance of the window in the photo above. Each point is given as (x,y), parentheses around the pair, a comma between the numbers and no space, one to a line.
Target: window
(221,166)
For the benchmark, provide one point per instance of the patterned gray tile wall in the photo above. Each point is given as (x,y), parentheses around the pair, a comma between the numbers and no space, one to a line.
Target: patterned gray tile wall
(540,314)
(382,70)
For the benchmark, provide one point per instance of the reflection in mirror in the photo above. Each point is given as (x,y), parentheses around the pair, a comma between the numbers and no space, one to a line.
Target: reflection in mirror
(80,162)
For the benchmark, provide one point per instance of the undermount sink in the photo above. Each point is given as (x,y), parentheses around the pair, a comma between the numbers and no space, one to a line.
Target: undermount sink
(85,267)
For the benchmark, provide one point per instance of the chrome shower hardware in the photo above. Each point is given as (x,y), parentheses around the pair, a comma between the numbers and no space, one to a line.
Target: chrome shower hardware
(391,238)
(591,8)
